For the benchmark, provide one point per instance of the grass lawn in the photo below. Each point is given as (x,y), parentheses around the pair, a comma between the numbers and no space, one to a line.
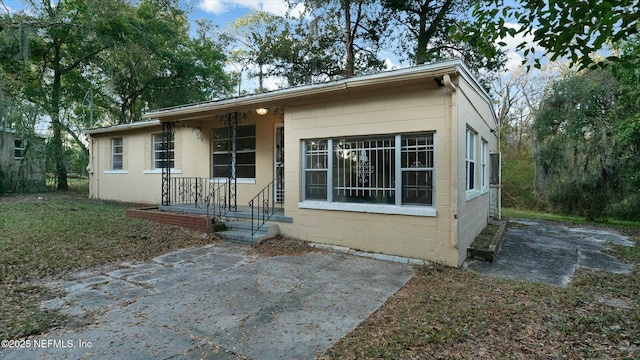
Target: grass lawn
(441,313)
(47,235)
(446,313)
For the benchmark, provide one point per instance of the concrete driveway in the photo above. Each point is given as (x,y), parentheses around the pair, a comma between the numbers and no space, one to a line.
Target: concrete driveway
(551,253)
(216,302)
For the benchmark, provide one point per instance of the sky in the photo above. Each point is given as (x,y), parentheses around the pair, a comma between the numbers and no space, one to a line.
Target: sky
(222,12)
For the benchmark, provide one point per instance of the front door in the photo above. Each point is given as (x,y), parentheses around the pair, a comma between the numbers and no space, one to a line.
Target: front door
(278,162)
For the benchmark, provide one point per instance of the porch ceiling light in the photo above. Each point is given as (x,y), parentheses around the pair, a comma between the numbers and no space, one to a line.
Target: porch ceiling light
(262,111)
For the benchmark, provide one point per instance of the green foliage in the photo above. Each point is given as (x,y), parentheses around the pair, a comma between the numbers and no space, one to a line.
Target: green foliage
(518,173)
(565,29)
(87,62)
(433,32)
(587,147)
(336,38)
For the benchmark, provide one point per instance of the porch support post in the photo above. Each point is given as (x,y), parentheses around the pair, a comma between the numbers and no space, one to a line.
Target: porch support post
(232,127)
(167,134)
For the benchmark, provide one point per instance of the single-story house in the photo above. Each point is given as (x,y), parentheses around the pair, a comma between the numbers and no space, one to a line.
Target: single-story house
(396,162)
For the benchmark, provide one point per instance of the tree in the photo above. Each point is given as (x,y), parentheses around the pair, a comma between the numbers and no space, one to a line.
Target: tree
(57,43)
(432,33)
(577,153)
(259,35)
(156,64)
(355,24)
(572,29)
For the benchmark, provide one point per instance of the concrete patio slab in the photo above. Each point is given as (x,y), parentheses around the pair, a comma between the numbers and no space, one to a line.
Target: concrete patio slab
(216,302)
(551,253)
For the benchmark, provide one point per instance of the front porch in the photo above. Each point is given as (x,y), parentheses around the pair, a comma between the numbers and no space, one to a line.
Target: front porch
(216,201)
(240,154)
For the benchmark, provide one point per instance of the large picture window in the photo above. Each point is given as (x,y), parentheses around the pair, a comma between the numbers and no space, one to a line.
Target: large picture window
(245,161)
(389,170)
(117,152)
(159,156)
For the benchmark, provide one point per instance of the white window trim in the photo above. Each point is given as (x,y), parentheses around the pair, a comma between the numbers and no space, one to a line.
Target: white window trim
(222,180)
(159,171)
(411,210)
(484,166)
(113,153)
(115,172)
(20,148)
(471,192)
(395,209)
(255,160)
(153,152)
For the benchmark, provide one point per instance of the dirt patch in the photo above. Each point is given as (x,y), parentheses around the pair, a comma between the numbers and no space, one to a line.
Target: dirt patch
(279,246)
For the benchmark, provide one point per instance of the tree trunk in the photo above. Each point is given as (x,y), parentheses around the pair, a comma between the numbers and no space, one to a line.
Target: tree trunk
(423,40)
(57,144)
(349,70)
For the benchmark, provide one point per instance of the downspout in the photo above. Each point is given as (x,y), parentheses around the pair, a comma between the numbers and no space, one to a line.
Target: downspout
(454,160)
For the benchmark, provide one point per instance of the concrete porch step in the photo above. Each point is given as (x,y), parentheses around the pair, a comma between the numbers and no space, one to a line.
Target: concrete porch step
(240,232)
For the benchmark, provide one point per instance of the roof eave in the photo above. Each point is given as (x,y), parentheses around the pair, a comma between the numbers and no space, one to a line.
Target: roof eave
(290,94)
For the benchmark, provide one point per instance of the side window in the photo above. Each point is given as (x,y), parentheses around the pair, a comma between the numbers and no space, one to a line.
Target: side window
(18,151)
(117,152)
(471,159)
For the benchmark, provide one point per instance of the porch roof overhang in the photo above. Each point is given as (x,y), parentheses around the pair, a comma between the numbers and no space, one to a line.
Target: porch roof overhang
(123,127)
(313,93)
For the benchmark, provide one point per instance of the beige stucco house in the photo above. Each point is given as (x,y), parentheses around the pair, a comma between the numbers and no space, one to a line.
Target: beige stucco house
(396,162)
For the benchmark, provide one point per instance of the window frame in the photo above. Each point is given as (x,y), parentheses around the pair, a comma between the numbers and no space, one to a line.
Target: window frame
(470,160)
(484,154)
(226,152)
(154,152)
(18,146)
(397,207)
(114,153)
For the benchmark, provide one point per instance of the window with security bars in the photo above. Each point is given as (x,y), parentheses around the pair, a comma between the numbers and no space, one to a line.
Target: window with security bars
(159,155)
(364,170)
(392,169)
(245,160)
(316,156)
(417,169)
(117,151)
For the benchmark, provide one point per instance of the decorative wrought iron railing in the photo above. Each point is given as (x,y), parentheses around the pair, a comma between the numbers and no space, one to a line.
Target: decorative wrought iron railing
(201,193)
(263,206)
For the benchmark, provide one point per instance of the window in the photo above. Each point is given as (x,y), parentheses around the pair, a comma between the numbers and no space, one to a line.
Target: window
(159,157)
(117,151)
(18,151)
(417,170)
(245,161)
(363,170)
(483,163)
(316,156)
(388,170)
(471,160)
